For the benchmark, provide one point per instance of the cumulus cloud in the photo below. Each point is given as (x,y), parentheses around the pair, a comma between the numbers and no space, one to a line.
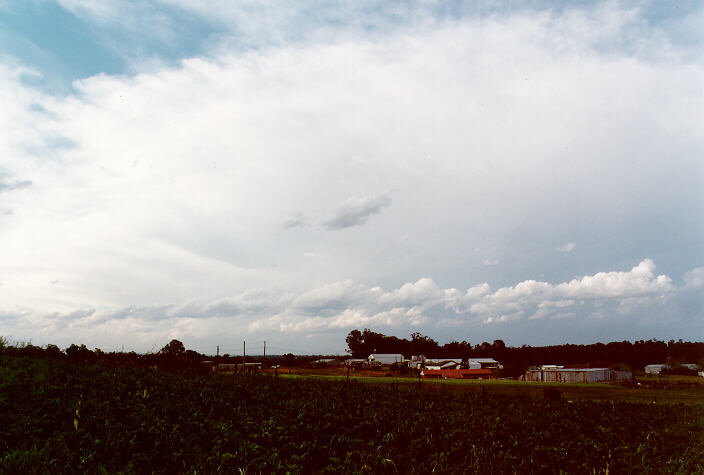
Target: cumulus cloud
(345,305)
(356,211)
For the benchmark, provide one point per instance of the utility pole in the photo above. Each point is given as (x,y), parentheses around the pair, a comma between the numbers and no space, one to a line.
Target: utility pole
(264,365)
(218,351)
(244,354)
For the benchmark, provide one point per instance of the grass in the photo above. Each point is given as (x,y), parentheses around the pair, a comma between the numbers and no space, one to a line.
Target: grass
(569,391)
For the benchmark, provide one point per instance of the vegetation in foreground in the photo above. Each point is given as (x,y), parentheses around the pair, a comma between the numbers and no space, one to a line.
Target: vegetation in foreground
(59,416)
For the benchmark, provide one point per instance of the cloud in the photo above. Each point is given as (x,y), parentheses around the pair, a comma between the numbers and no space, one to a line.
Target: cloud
(569,247)
(297,221)
(694,279)
(11,186)
(357,211)
(640,280)
(167,191)
(346,305)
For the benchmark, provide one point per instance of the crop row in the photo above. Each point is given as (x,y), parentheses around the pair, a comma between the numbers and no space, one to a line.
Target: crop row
(57,416)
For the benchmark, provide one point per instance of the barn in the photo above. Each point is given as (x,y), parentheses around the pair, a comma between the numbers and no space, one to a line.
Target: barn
(578,375)
(385,359)
(485,363)
(655,368)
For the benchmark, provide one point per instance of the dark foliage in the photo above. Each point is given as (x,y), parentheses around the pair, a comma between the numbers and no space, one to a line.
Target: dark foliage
(58,416)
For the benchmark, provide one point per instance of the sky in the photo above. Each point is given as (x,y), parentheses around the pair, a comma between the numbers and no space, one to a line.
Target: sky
(217,171)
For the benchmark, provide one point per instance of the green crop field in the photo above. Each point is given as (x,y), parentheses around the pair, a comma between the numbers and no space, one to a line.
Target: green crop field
(62,417)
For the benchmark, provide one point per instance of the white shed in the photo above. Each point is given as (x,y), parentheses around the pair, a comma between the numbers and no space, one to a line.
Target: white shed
(578,375)
(385,359)
(655,368)
(486,362)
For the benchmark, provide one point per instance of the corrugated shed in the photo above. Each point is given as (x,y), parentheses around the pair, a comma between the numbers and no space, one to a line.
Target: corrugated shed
(385,358)
(578,375)
(655,368)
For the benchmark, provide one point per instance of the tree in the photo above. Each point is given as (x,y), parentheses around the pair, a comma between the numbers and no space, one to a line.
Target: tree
(53,351)
(79,353)
(355,343)
(289,359)
(423,345)
(173,348)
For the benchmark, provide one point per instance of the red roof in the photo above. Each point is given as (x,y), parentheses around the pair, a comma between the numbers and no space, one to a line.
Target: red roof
(457,373)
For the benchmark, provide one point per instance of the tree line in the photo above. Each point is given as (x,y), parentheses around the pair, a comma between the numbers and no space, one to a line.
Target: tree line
(173,355)
(633,355)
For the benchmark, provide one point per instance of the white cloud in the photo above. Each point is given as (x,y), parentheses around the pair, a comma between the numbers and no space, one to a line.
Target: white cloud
(347,305)
(357,211)
(694,278)
(640,280)
(513,130)
(569,247)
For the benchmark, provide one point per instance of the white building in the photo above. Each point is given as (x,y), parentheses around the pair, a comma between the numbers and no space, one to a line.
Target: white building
(578,375)
(452,363)
(490,363)
(385,359)
(655,368)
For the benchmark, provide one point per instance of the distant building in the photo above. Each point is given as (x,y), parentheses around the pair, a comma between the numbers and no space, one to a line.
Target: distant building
(655,368)
(577,375)
(448,363)
(691,366)
(421,361)
(486,362)
(327,362)
(249,367)
(385,359)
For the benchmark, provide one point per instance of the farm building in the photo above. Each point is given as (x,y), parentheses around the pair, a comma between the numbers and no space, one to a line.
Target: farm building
(692,366)
(385,359)
(452,363)
(326,362)
(457,373)
(578,375)
(449,363)
(490,363)
(655,368)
